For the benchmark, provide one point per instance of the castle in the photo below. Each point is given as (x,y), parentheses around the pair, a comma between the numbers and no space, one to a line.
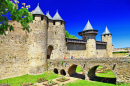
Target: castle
(27,53)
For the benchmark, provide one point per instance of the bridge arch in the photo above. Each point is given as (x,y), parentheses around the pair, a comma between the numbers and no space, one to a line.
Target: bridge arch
(72,72)
(92,74)
(55,71)
(62,72)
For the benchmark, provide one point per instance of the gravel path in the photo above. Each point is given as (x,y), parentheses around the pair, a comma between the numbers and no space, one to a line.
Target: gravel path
(54,80)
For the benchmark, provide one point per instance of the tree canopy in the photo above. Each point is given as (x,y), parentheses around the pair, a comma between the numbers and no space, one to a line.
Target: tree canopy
(9,8)
(69,36)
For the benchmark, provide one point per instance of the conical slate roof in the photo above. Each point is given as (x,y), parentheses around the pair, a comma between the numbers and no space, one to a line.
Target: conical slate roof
(48,15)
(88,26)
(57,16)
(38,10)
(106,31)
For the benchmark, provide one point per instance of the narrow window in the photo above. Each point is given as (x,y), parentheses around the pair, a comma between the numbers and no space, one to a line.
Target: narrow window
(41,17)
(53,22)
(114,66)
(61,22)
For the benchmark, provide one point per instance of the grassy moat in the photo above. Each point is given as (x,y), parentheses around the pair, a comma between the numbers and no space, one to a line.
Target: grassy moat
(16,81)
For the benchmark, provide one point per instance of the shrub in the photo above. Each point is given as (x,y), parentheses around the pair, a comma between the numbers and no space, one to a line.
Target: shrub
(41,79)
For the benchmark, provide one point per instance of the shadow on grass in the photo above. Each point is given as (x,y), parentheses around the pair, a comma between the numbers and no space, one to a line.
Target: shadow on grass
(105,80)
(96,78)
(77,75)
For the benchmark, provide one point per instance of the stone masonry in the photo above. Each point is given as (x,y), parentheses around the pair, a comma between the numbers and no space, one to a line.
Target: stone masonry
(27,53)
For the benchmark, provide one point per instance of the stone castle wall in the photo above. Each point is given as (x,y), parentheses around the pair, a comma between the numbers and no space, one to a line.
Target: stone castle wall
(37,43)
(76,53)
(13,53)
(101,50)
(108,39)
(76,46)
(56,38)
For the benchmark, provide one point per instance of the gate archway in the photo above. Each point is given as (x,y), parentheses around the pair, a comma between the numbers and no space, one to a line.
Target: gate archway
(49,51)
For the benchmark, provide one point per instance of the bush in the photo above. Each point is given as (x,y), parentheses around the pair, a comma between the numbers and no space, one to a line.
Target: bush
(41,80)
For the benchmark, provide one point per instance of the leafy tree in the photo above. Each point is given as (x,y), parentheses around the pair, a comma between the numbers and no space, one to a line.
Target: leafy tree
(72,36)
(69,36)
(66,34)
(20,15)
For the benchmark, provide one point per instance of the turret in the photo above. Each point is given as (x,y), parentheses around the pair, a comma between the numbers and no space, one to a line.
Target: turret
(37,52)
(107,37)
(37,13)
(88,35)
(59,35)
(50,19)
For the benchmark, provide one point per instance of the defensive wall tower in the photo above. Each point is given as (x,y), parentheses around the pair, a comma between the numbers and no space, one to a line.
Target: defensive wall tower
(38,43)
(107,37)
(88,35)
(56,36)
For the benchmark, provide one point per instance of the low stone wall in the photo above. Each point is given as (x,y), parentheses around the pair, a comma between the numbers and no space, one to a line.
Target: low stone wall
(101,53)
(76,53)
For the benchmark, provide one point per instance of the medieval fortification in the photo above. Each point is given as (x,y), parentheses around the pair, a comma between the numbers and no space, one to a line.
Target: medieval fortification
(27,53)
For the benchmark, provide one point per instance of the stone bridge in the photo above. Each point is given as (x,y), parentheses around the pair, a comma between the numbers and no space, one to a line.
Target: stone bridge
(119,66)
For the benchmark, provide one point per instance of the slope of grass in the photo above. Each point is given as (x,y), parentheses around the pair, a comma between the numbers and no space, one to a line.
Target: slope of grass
(79,69)
(92,83)
(108,74)
(16,81)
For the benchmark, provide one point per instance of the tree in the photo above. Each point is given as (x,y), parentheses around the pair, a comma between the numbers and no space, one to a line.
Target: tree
(69,36)
(20,15)
(72,36)
(66,34)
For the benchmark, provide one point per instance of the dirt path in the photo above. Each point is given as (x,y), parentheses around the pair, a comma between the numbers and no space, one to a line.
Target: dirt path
(72,79)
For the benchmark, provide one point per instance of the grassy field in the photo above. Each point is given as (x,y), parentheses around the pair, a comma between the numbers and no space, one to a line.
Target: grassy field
(119,54)
(79,69)
(16,81)
(108,74)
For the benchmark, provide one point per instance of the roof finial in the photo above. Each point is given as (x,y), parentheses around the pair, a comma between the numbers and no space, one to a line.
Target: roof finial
(106,31)
(57,11)
(88,26)
(38,4)
(47,12)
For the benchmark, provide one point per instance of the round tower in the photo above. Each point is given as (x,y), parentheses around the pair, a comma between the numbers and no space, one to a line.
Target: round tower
(107,37)
(50,37)
(59,36)
(88,35)
(38,43)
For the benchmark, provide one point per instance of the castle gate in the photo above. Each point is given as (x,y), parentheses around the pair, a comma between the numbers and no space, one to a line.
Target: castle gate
(119,66)
(49,51)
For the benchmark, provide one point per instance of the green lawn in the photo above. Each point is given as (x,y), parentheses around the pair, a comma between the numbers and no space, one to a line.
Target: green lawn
(108,74)
(16,81)
(92,83)
(79,69)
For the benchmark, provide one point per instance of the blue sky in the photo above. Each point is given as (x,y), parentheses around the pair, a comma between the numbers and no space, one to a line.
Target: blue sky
(113,13)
